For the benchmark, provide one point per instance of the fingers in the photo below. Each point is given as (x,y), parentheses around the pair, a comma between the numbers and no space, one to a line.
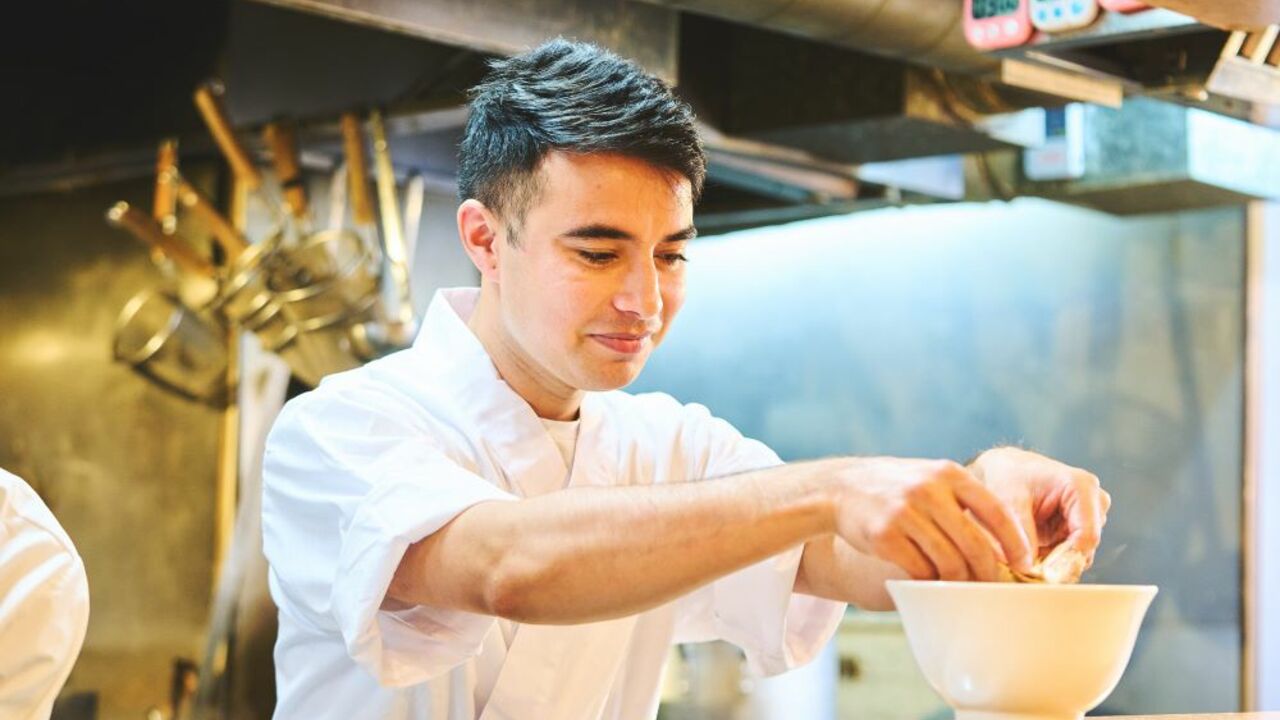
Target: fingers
(976,544)
(898,549)
(995,515)
(938,547)
(1085,506)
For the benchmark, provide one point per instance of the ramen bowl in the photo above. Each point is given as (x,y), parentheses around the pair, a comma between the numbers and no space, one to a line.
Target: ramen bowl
(1006,651)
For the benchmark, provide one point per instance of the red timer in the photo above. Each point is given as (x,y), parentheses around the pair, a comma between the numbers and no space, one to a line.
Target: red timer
(1124,6)
(996,24)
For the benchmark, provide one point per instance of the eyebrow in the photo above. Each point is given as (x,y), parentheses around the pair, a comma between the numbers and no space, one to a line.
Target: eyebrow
(599,231)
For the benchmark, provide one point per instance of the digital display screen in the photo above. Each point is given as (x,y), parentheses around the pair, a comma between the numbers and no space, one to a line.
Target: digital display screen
(983,9)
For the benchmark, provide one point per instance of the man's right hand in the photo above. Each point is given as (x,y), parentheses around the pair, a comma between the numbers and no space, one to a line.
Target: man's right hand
(932,518)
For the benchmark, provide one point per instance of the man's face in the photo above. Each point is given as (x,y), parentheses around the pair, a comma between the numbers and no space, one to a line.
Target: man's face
(598,273)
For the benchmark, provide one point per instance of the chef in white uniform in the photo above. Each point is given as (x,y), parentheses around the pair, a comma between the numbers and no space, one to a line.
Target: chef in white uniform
(44,603)
(486,526)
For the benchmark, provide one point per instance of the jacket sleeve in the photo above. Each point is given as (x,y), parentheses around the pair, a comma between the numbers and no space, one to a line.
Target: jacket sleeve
(350,482)
(44,603)
(754,608)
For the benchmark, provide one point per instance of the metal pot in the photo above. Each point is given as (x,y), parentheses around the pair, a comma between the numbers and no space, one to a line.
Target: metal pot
(330,274)
(175,346)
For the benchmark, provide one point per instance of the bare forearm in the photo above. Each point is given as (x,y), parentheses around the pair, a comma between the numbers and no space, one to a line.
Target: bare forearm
(589,554)
(830,568)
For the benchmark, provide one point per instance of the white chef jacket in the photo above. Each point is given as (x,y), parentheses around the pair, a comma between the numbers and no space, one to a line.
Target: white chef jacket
(380,457)
(44,603)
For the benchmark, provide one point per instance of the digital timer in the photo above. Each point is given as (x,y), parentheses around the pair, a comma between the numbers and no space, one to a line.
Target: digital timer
(1061,15)
(996,24)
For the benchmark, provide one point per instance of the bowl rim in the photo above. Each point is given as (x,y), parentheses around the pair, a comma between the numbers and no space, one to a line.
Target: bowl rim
(968,586)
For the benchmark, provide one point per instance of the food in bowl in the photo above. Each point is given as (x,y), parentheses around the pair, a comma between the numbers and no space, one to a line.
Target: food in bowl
(1064,564)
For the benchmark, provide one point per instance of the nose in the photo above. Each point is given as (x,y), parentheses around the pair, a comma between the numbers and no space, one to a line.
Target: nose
(641,293)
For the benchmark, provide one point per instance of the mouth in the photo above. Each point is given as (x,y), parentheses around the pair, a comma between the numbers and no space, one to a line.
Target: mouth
(625,343)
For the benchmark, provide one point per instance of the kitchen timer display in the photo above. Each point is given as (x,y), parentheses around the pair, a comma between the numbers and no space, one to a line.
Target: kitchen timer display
(996,24)
(983,9)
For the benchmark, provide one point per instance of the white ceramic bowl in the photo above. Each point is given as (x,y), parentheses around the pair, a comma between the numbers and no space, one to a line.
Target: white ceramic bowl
(1007,651)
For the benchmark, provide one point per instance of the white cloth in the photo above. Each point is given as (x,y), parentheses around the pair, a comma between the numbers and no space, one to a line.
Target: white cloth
(564,433)
(380,457)
(44,603)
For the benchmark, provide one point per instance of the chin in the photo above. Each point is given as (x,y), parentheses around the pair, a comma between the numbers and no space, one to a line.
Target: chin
(614,378)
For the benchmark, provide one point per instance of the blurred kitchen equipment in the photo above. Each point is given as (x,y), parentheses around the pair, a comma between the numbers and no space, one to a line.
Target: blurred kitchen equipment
(415,198)
(324,282)
(324,301)
(1249,68)
(397,324)
(175,346)
(357,170)
(279,137)
(330,284)
(1010,650)
(357,173)
(229,239)
(165,203)
(246,299)
(208,100)
(338,198)
(145,229)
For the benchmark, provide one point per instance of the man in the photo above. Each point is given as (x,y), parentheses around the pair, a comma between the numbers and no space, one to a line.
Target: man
(44,603)
(484,526)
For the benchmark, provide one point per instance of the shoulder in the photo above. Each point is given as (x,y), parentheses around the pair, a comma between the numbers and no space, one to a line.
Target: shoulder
(652,408)
(383,395)
(22,510)
(659,415)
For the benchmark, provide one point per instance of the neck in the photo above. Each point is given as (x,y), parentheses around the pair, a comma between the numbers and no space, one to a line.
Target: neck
(549,397)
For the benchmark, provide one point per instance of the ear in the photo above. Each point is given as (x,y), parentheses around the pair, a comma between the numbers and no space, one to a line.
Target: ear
(478,229)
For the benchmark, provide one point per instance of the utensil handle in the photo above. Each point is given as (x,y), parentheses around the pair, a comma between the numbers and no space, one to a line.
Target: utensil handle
(208,98)
(357,170)
(393,244)
(280,138)
(165,198)
(144,228)
(227,236)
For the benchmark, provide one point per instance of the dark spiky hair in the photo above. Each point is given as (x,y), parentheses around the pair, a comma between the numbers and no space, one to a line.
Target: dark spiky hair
(574,97)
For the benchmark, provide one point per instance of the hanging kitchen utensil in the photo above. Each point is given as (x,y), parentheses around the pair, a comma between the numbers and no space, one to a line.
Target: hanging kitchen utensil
(165,203)
(341,290)
(357,170)
(338,198)
(415,198)
(208,100)
(173,345)
(305,255)
(324,284)
(397,296)
(279,137)
(148,231)
(396,323)
(233,244)
(244,299)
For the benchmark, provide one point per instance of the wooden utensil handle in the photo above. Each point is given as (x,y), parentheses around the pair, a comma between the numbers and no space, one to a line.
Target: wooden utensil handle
(165,198)
(357,169)
(280,138)
(227,236)
(145,229)
(208,99)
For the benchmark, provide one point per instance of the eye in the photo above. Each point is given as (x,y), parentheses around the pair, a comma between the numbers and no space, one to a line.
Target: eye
(673,258)
(596,258)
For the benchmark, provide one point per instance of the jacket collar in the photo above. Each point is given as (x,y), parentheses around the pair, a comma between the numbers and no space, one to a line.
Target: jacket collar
(501,420)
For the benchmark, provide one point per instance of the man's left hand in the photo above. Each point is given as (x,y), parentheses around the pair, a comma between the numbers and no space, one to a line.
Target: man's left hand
(1055,502)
